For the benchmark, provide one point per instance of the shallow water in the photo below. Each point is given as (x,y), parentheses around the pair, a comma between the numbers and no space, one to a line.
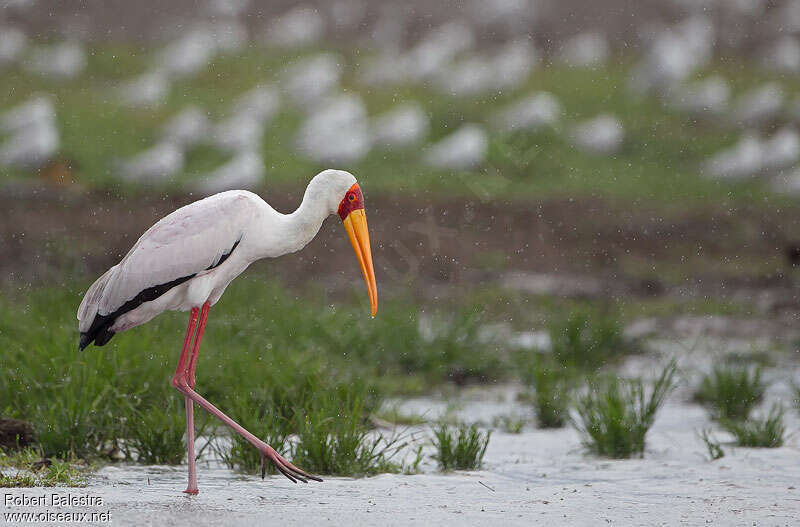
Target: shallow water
(537,475)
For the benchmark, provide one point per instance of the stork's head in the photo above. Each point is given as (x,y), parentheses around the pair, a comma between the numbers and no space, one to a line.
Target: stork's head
(348,201)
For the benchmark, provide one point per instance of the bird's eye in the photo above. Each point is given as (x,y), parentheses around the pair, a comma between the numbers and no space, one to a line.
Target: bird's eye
(351,197)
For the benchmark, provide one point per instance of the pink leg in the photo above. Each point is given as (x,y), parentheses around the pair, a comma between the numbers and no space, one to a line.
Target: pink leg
(191,488)
(187,341)
(183,381)
(190,367)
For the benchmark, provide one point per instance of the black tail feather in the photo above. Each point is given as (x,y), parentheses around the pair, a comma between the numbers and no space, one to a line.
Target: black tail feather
(99,332)
(103,337)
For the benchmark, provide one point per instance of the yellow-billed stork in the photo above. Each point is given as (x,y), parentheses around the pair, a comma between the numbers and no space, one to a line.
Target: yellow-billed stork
(186,260)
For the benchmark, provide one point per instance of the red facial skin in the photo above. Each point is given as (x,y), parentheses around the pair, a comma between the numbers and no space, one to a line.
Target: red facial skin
(353,200)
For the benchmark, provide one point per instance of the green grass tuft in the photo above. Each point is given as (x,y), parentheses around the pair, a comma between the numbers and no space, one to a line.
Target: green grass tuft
(550,397)
(588,341)
(730,392)
(614,419)
(460,447)
(510,424)
(28,468)
(712,445)
(157,434)
(412,466)
(766,433)
(333,438)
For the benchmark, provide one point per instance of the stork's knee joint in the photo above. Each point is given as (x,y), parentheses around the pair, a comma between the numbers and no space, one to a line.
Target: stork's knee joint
(180,383)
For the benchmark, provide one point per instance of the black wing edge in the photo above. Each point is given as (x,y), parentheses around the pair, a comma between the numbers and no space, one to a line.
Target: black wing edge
(100,331)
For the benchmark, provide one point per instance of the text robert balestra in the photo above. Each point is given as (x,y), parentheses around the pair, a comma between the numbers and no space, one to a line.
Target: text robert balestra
(52,500)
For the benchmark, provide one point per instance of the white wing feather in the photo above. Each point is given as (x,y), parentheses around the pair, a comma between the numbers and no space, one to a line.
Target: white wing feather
(186,242)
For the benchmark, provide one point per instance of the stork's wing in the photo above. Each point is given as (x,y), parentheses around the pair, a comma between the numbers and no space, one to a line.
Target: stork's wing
(190,240)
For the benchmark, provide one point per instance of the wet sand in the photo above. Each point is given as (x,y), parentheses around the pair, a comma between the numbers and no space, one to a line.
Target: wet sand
(535,476)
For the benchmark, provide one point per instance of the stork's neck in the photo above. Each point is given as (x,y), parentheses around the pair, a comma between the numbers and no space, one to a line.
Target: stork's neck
(286,233)
(304,223)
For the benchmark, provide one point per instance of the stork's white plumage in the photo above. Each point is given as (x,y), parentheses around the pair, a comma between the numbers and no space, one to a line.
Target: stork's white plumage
(187,259)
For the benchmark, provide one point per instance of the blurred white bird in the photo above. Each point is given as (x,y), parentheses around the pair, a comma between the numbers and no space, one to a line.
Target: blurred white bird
(155,165)
(244,171)
(36,110)
(468,76)
(708,96)
(238,132)
(230,8)
(530,113)
(782,150)
(402,126)
(426,59)
(307,80)
(188,127)
(463,149)
(228,34)
(512,16)
(301,26)
(336,132)
(389,30)
(31,147)
(584,49)
(190,52)
(513,63)
(12,44)
(261,102)
(742,160)
(437,48)
(674,55)
(385,69)
(744,8)
(347,14)
(783,56)
(759,105)
(63,60)
(149,89)
(243,130)
(507,68)
(602,135)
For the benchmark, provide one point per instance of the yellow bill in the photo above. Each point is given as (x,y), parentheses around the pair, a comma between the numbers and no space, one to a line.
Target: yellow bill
(356,226)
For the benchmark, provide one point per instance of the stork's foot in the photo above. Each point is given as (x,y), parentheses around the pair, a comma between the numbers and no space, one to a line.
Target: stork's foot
(191,491)
(283,466)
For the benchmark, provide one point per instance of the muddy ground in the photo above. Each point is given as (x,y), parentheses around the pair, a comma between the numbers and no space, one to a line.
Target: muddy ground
(428,244)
